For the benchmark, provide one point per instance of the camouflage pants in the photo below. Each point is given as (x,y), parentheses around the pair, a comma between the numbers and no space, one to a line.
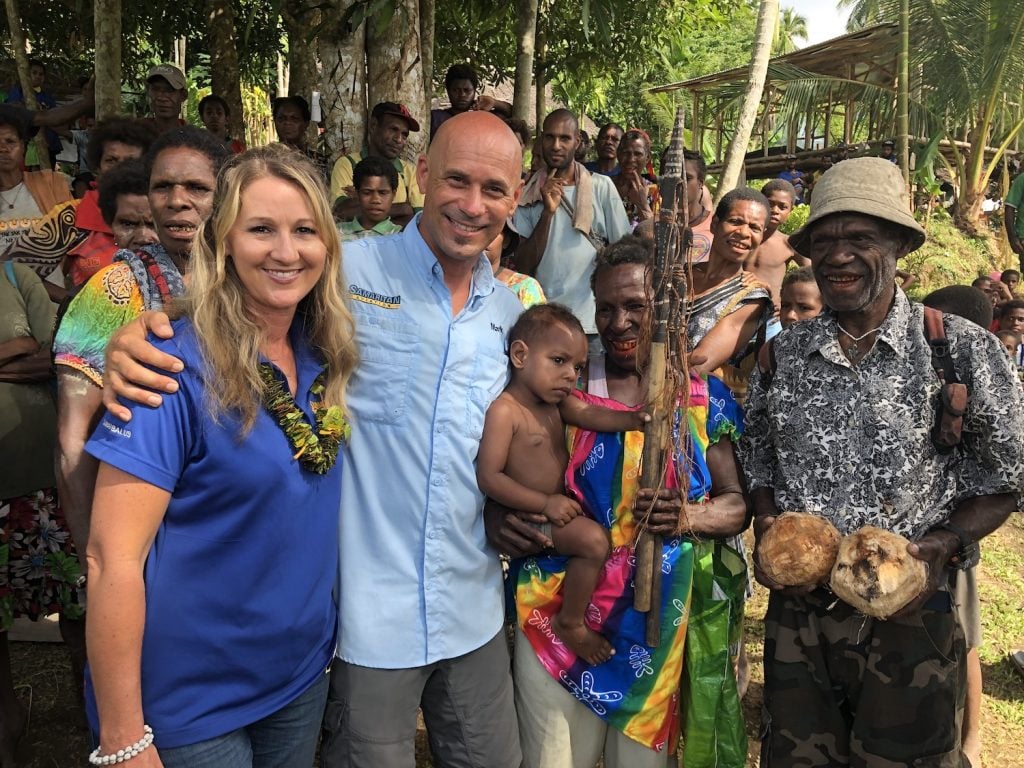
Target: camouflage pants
(842,689)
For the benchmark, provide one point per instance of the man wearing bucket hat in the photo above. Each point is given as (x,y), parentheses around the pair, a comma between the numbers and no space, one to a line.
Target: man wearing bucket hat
(166,90)
(839,424)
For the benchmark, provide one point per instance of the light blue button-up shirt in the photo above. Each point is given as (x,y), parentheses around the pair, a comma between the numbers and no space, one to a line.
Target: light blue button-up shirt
(419,582)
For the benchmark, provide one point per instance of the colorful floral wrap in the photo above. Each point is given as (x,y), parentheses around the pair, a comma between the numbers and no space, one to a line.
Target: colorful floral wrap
(637,691)
(39,566)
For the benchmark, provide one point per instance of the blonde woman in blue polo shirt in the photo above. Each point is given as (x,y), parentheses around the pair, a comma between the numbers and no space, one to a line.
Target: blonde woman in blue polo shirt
(214,547)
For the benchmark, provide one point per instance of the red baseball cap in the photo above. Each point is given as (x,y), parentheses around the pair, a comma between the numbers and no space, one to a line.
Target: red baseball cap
(399,110)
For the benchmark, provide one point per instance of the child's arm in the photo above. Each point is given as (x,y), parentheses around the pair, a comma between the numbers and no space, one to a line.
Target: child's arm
(499,428)
(597,418)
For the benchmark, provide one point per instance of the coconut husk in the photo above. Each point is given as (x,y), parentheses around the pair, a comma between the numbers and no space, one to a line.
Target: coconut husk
(798,550)
(875,574)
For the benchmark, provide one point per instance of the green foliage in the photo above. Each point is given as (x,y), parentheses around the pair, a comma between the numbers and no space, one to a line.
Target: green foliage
(477,33)
(61,33)
(796,219)
(791,26)
(603,68)
(948,257)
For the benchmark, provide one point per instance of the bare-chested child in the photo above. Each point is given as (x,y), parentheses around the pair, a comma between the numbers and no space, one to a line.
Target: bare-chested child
(523,457)
(799,298)
(769,261)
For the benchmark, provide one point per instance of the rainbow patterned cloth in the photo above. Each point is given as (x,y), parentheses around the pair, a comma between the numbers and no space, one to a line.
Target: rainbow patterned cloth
(637,691)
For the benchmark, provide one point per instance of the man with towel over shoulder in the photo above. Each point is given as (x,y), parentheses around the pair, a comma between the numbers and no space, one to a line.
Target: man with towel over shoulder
(565,216)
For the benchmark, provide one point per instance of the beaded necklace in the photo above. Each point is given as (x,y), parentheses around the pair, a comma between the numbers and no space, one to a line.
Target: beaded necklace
(316,451)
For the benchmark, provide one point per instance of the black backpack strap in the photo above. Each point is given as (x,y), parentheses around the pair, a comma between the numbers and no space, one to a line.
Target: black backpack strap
(766,363)
(949,417)
(935,333)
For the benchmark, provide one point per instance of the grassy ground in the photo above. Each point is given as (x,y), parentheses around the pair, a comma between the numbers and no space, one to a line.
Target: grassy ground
(55,740)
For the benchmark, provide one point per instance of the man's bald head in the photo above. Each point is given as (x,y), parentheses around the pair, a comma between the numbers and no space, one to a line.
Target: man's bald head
(471,178)
(475,125)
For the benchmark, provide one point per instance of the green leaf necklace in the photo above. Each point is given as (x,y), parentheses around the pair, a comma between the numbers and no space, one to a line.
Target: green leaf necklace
(316,451)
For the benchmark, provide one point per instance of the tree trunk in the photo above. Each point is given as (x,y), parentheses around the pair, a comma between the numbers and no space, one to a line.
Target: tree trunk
(540,101)
(299,20)
(106,23)
(766,19)
(428,10)
(526,38)
(282,75)
(394,70)
(224,77)
(903,92)
(21,62)
(178,55)
(343,82)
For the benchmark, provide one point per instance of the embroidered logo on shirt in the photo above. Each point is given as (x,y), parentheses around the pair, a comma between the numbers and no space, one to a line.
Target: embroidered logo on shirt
(497,328)
(119,431)
(377,299)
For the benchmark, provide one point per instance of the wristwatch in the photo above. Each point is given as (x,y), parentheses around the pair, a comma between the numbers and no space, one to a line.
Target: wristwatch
(969,553)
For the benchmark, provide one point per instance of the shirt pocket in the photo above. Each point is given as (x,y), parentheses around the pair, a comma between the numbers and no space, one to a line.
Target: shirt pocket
(486,374)
(387,352)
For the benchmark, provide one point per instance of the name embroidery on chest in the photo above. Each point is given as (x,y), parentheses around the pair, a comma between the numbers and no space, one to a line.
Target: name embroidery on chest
(376,299)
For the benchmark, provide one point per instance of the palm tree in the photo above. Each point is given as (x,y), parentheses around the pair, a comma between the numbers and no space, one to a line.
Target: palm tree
(863,13)
(791,27)
(967,58)
(971,57)
(767,18)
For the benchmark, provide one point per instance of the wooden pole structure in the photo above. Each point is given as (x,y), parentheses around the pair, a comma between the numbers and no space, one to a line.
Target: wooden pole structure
(671,252)
(903,92)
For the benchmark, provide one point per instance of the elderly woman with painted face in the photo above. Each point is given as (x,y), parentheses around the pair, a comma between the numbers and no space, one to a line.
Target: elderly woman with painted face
(214,549)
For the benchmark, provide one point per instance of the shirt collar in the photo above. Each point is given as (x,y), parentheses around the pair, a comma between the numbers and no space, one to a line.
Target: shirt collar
(425,262)
(892,332)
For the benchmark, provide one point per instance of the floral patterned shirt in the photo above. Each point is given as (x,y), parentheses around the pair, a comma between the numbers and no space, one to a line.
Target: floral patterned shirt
(852,443)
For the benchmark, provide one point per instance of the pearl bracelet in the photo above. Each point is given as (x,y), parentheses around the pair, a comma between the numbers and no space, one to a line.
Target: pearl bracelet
(122,755)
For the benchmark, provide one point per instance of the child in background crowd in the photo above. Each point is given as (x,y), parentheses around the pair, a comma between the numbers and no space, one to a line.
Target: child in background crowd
(1010,316)
(1010,278)
(769,261)
(523,456)
(375,181)
(799,298)
(1011,341)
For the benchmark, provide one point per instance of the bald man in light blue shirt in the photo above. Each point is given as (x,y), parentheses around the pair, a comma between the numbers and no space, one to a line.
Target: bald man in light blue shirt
(420,595)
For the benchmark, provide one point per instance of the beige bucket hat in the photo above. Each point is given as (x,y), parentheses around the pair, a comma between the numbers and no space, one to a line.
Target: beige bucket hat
(872,186)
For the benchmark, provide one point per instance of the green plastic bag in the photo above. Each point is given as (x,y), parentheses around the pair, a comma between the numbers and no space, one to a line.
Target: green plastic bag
(713,730)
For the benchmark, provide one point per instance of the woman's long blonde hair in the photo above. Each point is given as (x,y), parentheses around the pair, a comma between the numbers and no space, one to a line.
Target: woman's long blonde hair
(229,335)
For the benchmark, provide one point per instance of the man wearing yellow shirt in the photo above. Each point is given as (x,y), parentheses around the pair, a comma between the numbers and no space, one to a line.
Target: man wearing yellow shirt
(390,125)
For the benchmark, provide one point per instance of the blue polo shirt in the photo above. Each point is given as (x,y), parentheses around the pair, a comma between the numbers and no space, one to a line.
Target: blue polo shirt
(240,617)
(418,581)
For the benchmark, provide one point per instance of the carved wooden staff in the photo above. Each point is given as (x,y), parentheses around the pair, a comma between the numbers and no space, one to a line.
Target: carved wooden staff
(663,374)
